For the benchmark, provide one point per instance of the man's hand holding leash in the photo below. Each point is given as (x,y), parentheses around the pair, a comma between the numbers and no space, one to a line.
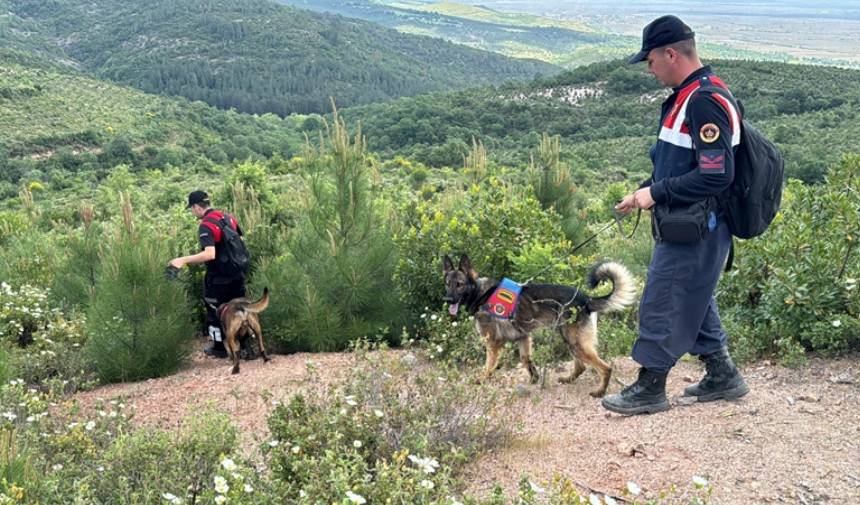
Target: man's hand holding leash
(639,199)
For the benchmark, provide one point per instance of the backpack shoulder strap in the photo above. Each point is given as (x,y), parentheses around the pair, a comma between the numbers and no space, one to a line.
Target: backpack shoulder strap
(214,223)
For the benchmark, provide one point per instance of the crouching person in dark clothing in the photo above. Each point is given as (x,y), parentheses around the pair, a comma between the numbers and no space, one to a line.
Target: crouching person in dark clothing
(223,281)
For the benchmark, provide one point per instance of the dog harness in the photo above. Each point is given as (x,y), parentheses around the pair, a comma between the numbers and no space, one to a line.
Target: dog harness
(503,302)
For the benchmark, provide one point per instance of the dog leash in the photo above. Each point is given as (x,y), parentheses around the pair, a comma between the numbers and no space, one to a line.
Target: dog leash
(616,220)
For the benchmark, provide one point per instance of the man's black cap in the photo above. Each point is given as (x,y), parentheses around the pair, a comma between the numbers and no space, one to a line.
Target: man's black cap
(661,32)
(197,197)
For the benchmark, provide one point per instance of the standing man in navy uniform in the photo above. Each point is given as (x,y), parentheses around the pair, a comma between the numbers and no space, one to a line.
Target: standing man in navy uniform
(693,162)
(219,285)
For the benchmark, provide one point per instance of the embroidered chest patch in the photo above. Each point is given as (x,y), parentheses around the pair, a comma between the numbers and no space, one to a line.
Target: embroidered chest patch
(503,302)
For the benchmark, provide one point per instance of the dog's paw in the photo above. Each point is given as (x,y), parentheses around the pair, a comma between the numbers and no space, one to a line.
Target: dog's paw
(598,393)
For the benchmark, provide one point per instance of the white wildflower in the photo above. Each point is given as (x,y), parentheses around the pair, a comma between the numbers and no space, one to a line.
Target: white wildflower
(296,449)
(836,323)
(220,499)
(302,493)
(700,482)
(273,443)
(350,400)
(355,498)
(221,484)
(427,465)
(57,467)
(172,498)
(90,425)
(228,464)
(427,484)
(378,413)
(439,349)
(356,444)
(249,489)
(593,499)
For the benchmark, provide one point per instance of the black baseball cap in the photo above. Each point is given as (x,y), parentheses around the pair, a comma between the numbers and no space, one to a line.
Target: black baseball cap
(661,32)
(197,197)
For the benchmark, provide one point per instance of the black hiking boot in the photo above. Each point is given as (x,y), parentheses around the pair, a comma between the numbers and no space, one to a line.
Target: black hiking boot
(216,350)
(645,396)
(722,381)
(247,352)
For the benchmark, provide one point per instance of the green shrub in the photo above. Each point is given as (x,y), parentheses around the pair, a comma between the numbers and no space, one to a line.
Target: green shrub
(139,323)
(140,467)
(794,289)
(29,259)
(75,279)
(397,432)
(505,233)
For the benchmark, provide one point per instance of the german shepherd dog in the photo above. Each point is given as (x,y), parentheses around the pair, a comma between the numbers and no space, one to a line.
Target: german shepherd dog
(239,319)
(567,309)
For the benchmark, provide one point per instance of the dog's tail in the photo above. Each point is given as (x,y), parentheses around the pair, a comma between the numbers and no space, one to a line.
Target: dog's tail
(261,304)
(623,288)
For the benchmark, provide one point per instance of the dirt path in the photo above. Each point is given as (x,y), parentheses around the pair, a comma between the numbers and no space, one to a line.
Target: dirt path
(794,439)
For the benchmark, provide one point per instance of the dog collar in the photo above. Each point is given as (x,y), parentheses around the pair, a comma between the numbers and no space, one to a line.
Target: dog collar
(503,302)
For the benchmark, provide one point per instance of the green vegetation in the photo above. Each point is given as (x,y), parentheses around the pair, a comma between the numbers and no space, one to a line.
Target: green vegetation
(606,114)
(67,130)
(795,290)
(347,231)
(258,56)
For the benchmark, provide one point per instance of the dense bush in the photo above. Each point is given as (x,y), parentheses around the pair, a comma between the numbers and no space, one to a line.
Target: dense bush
(501,227)
(795,288)
(395,432)
(39,343)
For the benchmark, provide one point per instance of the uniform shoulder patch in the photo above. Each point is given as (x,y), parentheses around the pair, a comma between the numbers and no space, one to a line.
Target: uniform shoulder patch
(709,133)
(712,161)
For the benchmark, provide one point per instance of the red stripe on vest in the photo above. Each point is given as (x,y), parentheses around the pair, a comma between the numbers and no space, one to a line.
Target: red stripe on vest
(728,108)
(214,223)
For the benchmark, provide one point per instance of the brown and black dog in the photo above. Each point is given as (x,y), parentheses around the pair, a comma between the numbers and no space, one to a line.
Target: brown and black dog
(564,308)
(239,319)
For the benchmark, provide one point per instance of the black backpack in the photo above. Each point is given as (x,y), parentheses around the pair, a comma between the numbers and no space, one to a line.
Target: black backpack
(233,256)
(752,200)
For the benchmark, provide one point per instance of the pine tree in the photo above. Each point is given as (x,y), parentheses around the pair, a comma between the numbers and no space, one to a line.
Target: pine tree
(554,187)
(337,281)
(139,323)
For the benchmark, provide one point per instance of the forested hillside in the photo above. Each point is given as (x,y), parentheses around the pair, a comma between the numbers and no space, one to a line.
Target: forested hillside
(606,115)
(560,42)
(58,126)
(256,56)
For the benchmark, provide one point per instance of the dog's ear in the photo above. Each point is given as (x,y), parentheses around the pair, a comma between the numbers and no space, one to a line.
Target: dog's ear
(466,266)
(447,264)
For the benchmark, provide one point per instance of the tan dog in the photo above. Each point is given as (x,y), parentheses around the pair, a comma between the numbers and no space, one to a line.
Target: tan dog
(239,319)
